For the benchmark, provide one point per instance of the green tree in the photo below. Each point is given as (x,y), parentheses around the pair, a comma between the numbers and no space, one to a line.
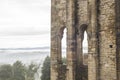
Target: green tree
(19,71)
(46,69)
(5,72)
(31,70)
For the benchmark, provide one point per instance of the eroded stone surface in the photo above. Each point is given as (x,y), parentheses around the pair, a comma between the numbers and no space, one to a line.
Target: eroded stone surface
(101,20)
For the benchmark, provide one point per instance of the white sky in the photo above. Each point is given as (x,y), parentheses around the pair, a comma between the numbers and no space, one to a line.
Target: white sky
(24,23)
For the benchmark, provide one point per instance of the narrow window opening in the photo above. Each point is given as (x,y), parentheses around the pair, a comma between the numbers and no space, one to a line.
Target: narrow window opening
(85,56)
(85,43)
(64,46)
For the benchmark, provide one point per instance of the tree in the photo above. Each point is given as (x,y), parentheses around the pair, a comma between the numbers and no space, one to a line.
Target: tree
(19,71)
(31,70)
(46,69)
(5,72)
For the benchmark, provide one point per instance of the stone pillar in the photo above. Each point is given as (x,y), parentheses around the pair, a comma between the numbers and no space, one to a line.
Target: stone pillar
(118,53)
(71,56)
(82,12)
(93,42)
(118,37)
(58,19)
(71,40)
(56,61)
(107,40)
(79,57)
(82,24)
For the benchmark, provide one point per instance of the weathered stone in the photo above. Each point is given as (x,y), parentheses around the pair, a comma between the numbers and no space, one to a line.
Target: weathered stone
(101,20)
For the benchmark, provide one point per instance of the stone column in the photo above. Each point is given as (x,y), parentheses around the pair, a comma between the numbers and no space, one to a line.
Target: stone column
(118,53)
(93,42)
(118,36)
(107,40)
(55,41)
(58,22)
(82,24)
(71,40)
(79,56)
(56,61)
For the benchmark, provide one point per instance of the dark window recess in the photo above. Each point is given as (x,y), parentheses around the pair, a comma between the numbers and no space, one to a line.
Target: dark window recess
(111,46)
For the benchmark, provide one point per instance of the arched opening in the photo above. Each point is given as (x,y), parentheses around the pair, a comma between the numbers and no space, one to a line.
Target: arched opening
(82,50)
(85,49)
(63,37)
(64,43)
(64,60)
(85,56)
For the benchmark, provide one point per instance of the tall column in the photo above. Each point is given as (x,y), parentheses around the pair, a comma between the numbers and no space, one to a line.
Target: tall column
(71,40)
(118,52)
(93,42)
(79,56)
(107,40)
(82,23)
(56,24)
(118,37)
(55,57)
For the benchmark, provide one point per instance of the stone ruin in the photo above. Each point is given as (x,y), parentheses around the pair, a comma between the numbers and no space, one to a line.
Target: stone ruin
(101,20)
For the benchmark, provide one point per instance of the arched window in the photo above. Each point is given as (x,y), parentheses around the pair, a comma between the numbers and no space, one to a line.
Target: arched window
(64,43)
(85,48)
(85,55)
(63,37)
(82,50)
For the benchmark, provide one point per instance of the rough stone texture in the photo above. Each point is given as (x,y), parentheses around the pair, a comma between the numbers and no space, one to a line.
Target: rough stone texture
(107,40)
(58,18)
(118,36)
(101,20)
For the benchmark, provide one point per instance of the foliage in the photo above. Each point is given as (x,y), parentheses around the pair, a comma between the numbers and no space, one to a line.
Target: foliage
(31,70)
(18,71)
(5,72)
(46,69)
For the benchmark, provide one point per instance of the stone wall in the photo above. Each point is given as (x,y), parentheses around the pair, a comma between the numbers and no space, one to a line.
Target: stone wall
(101,20)
(107,40)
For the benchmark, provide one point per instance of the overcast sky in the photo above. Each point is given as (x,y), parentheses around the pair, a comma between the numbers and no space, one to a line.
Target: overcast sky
(24,23)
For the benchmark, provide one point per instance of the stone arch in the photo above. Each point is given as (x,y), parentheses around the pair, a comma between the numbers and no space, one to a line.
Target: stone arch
(62,66)
(61,31)
(60,34)
(56,53)
(81,68)
(82,29)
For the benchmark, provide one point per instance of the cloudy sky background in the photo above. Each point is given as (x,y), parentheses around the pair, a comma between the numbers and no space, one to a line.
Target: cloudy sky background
(24,23)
